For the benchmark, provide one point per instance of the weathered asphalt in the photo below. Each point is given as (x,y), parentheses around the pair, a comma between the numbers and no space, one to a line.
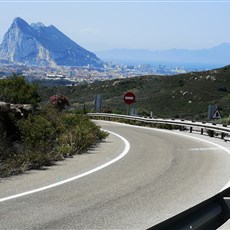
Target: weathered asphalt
(163,174)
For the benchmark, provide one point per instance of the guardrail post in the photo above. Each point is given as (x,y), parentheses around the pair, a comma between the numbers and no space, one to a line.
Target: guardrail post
(211,129)
(222,135)
(210,133)
(202,131)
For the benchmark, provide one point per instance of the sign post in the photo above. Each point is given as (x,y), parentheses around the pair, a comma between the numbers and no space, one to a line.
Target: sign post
(129,98)
(98,100)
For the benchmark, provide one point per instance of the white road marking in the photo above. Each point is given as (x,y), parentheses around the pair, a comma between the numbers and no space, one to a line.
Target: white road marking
(183,134)
(125,151)
(127,147)
(203,149)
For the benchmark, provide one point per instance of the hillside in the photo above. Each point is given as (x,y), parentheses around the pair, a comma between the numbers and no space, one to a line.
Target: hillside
(180,96)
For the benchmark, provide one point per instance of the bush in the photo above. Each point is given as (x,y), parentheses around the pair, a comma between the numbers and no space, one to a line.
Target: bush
(39,140)
(80,135)
(225,121)
(5,150)
(16,90)
(59,101)
(37,130)
(14,165)
(46,137)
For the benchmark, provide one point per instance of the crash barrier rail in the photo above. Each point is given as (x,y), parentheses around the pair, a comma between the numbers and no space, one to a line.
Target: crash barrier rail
(212,129)
(208,215)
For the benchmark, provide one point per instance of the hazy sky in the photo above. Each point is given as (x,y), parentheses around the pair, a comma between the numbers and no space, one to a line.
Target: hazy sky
(102,25)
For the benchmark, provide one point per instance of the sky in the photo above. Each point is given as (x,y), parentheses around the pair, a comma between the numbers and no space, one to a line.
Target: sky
(153,25)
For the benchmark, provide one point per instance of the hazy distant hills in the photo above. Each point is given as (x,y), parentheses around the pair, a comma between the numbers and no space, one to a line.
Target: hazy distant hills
(219,55)
(37,44)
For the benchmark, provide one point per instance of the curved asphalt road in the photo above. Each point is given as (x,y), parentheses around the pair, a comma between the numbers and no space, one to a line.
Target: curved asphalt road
(163,174)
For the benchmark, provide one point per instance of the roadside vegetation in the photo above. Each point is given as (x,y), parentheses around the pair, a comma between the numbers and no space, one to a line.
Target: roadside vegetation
(15,90)
(226,120)
(50,133)
(184,96)
(45,135)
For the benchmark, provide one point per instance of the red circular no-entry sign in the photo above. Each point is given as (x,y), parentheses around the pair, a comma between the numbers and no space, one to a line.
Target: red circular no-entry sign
(129,98)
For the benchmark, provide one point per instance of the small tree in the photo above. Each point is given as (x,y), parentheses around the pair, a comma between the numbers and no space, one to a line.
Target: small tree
(16,90)
(59,101)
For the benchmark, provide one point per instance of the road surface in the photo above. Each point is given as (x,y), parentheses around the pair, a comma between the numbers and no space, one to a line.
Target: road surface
(163,173)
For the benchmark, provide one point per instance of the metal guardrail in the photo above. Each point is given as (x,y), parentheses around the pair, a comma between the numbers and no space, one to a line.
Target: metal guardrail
(209,214)
(224,130)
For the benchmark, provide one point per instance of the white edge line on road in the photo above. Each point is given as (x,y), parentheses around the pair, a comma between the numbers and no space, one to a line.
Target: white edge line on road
(182,134)
(125,151)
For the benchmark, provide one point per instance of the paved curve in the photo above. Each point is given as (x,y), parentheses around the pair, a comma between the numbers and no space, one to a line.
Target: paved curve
(163,174)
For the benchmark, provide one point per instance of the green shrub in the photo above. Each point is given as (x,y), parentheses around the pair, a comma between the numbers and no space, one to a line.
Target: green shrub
(81,133)
(226,120)
(4,147)
(37,130)
(14,165)
(46,137)
(16,90)
(39,140)
(53,116)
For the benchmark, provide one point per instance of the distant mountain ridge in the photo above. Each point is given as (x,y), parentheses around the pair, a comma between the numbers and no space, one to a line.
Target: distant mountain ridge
(37,44)
(216,55)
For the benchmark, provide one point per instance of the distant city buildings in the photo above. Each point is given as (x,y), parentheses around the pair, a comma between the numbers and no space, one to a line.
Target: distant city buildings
(87,74)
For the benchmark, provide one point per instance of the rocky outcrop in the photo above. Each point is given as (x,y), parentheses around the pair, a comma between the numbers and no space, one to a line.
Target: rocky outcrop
(41,45)
(20,109)
(7,126)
